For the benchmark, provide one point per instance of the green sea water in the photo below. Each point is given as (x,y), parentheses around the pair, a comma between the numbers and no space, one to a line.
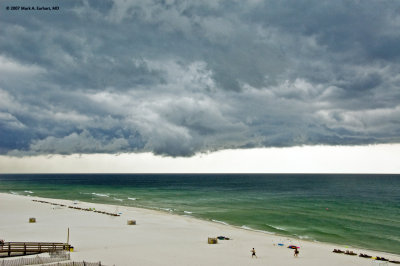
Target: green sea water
(357,210)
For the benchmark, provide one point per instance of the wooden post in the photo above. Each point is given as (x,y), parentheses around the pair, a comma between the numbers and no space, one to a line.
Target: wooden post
(24,248)
(68,236)
(9,249)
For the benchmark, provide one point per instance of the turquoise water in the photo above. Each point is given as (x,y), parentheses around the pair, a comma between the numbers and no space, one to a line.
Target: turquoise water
(357,210)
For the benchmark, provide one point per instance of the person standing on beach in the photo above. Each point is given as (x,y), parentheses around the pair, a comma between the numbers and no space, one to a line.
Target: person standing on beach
(296,252)
(253,253)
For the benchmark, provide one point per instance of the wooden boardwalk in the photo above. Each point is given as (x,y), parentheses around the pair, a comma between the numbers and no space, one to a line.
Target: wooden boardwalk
(10,249)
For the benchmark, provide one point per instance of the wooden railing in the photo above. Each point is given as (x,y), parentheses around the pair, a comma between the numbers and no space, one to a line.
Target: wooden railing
(9,249)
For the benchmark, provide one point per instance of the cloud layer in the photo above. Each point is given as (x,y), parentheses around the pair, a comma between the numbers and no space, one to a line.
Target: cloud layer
(180,77)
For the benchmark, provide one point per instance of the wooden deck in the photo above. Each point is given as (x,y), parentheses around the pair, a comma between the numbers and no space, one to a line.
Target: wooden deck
(10,249)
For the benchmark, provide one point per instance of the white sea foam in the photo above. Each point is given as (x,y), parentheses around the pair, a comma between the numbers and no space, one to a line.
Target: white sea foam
(276,227)
(118,199)
(100,195)
(188,212)
(131,198)
(166,209)
(28,191)
(255,230)
(220,222)
(246,227)
(14,193)
(304,237)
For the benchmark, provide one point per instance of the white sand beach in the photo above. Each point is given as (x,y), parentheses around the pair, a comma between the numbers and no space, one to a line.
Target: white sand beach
(158,238)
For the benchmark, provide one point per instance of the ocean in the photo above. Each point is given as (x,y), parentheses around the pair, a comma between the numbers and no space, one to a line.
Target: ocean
(348,210)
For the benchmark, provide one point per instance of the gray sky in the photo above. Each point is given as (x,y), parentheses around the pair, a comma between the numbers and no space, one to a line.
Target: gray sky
(374,159)
(179,78)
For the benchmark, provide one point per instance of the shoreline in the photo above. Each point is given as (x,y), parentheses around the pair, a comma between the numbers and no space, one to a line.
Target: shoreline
(175,236)
(166,212)
(163,211)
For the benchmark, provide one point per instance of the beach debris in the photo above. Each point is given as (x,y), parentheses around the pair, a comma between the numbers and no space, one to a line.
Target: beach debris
(293,247)
(377,258)
(32,220)
(380,258)
(337,251)
(78,208)
(223,238)
(131,222)
(281,244)
(350,253)
(212,240)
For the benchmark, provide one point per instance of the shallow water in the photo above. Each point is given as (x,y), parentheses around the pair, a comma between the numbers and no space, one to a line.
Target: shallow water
(357,210)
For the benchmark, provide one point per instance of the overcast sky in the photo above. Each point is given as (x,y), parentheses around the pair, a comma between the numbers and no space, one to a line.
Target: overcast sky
(376,159)
(181,78)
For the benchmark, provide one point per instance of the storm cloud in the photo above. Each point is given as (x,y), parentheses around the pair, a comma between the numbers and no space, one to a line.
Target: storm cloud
(181,77)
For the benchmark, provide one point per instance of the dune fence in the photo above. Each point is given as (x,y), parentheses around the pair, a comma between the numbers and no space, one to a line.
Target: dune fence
(32,261)
(77,263)
(48,261)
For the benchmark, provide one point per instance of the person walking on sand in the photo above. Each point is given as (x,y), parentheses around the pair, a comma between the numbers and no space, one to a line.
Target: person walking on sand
(253,253)
(296,252)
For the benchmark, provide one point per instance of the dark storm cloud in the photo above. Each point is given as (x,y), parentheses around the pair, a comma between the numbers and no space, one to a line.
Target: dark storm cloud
(178,77)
